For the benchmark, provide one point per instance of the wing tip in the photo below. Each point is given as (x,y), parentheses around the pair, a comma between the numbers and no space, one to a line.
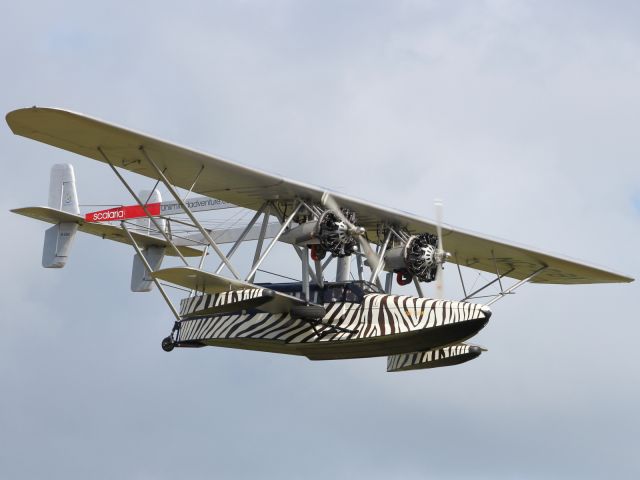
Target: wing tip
(14,117)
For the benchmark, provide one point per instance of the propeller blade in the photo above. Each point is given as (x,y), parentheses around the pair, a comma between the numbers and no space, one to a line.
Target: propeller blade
(365,248)
(440,253)
(372,257)
(438,206)
(439,283)
(329,202)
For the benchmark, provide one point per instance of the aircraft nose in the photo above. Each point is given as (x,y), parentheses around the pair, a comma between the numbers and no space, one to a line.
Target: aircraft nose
(487,311)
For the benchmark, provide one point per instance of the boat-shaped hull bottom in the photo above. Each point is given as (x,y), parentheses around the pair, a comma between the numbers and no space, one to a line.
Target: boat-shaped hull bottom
(424,339)
(434,358)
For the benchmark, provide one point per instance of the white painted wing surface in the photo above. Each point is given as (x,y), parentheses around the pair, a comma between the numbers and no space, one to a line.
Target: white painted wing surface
(249,188)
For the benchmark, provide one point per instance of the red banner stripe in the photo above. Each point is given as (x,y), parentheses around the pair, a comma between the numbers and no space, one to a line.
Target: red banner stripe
(122,213)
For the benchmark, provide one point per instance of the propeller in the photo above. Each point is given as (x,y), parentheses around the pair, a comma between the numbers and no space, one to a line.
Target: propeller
(441,254)
(359,232)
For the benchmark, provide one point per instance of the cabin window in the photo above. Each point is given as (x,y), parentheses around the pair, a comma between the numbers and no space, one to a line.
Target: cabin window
(349,292)
(333,293)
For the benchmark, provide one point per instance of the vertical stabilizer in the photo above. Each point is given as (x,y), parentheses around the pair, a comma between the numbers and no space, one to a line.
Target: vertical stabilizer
(141,281)
(62,189)
(144,224)
(62,196)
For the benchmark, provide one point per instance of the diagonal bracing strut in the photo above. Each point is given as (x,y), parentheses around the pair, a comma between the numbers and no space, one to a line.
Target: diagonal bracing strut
(243,235)
(189,213)
(150,270)
(284,226)
(513,287)
(143,206)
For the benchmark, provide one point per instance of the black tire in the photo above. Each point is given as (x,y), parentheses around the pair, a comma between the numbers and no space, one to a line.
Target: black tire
(167,344)
(308,312)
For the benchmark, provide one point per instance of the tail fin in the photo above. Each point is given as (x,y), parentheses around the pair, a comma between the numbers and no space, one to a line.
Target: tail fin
(62,189)
(143,224)
(62,196)
(141,280)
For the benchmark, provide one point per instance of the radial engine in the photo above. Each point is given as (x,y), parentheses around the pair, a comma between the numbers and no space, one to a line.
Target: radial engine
(418,257)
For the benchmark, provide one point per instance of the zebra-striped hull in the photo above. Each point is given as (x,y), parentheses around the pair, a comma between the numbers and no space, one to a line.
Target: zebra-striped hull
(438,357)
(380,325)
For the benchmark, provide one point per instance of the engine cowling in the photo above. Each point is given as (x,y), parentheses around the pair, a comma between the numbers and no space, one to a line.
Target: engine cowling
(334,235)
(417,257)
(328,234)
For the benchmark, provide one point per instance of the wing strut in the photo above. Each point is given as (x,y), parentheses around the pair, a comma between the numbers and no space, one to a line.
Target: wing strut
(416,282)
(150,270)
(464,290)
(304,256)
(301,251)
(319,273)
(502,293)
(261,237)
(286,223)
(242,236)
(378,267)
(190,214)
(513,287)
(499,276)
(143,206)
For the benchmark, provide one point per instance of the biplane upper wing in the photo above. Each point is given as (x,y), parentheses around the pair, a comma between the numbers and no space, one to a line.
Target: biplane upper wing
(250,188)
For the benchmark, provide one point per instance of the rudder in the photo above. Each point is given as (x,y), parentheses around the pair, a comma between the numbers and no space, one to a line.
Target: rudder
(62,196)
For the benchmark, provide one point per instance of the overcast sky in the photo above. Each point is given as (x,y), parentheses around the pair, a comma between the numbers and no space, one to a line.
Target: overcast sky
(522,116)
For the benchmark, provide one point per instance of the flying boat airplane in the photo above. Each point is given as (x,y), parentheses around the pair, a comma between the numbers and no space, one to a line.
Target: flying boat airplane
(317,318)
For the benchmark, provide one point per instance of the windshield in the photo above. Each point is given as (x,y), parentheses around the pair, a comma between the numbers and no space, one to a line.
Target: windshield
(332,292)
(348,292)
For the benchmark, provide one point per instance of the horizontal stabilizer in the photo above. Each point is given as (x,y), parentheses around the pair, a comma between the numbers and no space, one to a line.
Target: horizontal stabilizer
(206,282)
(105,231)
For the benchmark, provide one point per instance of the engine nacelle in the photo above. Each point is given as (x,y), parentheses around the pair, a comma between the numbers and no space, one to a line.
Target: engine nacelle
(334,235)
(418,257)
(329,233)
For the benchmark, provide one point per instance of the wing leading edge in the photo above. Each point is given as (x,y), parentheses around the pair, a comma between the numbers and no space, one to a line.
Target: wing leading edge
(250,188)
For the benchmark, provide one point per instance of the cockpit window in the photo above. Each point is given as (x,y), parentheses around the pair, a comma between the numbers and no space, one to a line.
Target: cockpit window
(348,292)
(369,287)
(353,293)
(332,292)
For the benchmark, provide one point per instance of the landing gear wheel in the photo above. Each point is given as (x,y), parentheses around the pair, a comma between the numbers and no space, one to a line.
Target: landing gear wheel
(167,344)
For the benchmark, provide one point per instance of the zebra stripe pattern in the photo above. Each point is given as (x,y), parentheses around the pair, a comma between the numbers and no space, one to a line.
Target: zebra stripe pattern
(378,315)
(416,360)
(201,302)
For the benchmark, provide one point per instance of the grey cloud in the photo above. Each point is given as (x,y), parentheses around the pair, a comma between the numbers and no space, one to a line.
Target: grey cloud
(521,116)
